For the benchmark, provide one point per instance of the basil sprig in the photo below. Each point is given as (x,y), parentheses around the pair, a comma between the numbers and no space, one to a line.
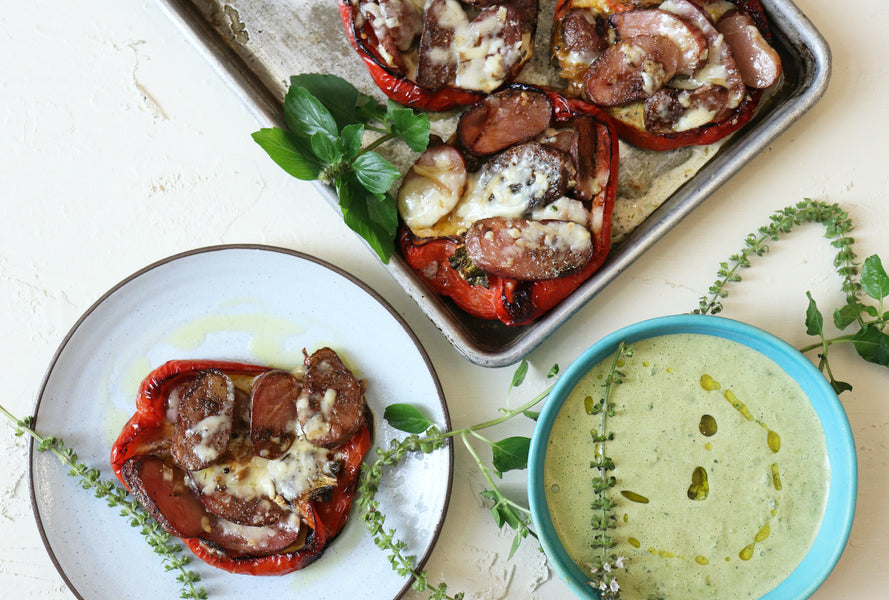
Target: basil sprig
(327,121)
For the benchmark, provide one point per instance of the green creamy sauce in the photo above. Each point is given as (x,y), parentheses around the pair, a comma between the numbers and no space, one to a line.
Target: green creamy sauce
(721,470)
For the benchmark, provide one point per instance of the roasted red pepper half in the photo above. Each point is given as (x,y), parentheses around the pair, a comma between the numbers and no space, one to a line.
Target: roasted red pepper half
(144,455)
(511,300)
(397,30)
(671,74)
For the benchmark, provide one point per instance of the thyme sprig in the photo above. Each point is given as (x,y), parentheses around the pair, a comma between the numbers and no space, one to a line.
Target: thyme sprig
(870,341)
(604,519)
(117,497)
(507,454)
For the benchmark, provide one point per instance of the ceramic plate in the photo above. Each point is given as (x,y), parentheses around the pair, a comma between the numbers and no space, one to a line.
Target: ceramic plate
(244,303)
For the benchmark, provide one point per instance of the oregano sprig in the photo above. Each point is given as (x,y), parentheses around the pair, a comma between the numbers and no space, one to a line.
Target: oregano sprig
(117,497)
(327,121)
(870,341)
(602,571)
(506,455)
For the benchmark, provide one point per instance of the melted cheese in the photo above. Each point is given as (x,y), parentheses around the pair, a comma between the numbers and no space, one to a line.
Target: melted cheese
(304,468)
(206,429)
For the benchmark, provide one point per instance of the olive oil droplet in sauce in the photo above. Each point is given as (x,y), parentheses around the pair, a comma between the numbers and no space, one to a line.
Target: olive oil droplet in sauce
(739,406)
(708,383)
(774,441)
(634,497)
(707,426)
(700,487)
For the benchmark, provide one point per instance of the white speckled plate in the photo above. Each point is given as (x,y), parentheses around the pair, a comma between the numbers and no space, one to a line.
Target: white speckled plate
(246,303)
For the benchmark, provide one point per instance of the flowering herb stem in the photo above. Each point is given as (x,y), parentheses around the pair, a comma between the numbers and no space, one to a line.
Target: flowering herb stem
(117,497)
(602,572)
(871,341)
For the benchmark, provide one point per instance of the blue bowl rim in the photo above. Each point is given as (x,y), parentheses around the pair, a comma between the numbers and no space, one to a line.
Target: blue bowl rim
(842,492)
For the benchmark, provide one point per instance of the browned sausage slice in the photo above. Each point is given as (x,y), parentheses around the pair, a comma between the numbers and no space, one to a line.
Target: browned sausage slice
(528,250)
(254,511)
(526,175)
(579,38)
(632,69)
(720,62)
(243,540)
(691,41)
(331,406)
(758,63)
(671,110)
(504,118)
(204,423)
(436,61)
(164,492)
(273,413)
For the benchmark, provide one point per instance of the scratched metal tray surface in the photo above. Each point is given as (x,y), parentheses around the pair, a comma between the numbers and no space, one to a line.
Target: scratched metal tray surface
(256,45)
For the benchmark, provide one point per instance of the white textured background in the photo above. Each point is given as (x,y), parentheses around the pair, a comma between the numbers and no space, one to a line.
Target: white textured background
(120,146)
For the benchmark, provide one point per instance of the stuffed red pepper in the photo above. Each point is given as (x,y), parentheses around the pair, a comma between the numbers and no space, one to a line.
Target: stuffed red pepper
(442,53)
(514,213)
(254,468)
(672,73)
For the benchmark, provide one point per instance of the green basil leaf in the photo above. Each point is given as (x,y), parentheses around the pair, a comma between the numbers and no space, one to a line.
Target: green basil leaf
(383,212)
(873,278)
(306,115)
(532,414)
(339,96)
(369,110)
(553,371)
(289,153)
(353,199)
(872,345)
(350,140)
(511,453)
(412,127)
(495,509)
(519,376)
(405,417)
(846,315)
(814,319)
(375,173)
(326,148)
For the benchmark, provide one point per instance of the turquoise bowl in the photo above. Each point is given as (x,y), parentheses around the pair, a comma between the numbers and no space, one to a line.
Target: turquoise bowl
(842,491)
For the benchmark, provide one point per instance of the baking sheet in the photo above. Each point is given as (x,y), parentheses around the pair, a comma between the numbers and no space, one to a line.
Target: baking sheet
(256,45)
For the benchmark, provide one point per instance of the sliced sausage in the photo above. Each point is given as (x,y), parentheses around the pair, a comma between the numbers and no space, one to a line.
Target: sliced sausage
(491,50)
(330,408)
(758,63)
(524,176)
(632,69)
(720,68)
(163,491)
(204,421)
(504,118)
(255,511)
(436,60)
(528,250)
(579,38)
(243,540)
(433,186)
(691,41)
(671,110)
(273,413)
(527,9)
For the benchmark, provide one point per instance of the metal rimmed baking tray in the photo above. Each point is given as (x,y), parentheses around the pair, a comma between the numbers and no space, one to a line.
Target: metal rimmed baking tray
(256,45)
